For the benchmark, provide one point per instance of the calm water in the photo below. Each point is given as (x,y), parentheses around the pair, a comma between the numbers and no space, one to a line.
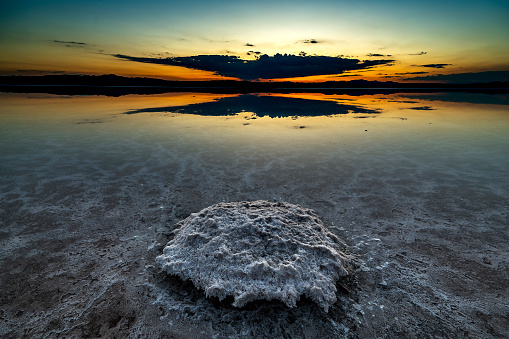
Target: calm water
(228,147)
(416,184)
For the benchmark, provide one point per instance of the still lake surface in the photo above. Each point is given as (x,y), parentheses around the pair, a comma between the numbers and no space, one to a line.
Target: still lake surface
(253,140)
(80,153)
(416,184)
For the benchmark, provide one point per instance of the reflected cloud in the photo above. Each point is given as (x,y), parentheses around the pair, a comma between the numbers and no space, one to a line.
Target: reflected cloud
(263,105)
(461,97)
(421,108)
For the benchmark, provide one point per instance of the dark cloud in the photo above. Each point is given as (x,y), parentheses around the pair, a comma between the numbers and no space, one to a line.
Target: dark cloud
(421,53)
(264,66)
(377,55)
(249,45)
(410,73)
(346,75)
(311,41)
(71,43)
(271,106)
(433,65)
(464,78)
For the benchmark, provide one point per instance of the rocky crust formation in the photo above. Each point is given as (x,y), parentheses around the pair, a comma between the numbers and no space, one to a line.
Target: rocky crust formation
(257,250)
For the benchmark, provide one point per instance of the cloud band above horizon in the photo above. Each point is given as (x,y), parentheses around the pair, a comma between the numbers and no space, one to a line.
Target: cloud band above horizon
(264,67)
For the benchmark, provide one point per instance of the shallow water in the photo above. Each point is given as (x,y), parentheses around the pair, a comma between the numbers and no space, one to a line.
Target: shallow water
(402,141)
(417,185)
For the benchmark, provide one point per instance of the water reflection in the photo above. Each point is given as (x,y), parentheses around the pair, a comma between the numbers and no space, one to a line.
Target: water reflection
(310,104)
(83,164)
(79,167)
(460,97)
(264,105)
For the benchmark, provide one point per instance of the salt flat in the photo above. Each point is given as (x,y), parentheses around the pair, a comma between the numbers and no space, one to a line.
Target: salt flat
(416,185)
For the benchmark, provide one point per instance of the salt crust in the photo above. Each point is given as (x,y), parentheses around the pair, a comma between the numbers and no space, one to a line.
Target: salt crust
(257,250)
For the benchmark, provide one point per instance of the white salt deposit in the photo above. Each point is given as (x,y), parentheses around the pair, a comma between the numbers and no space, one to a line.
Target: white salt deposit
(257,250)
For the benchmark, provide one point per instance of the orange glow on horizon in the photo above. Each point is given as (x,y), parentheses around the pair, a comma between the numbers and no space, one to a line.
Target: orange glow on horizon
(99,64)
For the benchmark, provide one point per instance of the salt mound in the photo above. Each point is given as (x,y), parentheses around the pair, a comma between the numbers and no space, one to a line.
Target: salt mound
(257,250)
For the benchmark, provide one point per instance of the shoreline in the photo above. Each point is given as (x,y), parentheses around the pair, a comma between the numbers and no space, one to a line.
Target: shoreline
(127,90)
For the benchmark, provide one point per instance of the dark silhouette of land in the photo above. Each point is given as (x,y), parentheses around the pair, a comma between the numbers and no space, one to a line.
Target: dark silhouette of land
(115,85)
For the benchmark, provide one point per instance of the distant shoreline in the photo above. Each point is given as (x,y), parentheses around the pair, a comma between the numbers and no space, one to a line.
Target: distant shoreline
(118,85)
(126,90)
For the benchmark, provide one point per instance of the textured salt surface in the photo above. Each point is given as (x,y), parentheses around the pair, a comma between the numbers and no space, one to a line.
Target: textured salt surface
(257,250)
(422,201)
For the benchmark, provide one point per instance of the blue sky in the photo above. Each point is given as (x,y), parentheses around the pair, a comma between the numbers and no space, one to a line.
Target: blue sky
(85,36)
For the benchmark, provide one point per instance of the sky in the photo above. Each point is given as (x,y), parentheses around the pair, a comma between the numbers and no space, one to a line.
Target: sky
(321,40)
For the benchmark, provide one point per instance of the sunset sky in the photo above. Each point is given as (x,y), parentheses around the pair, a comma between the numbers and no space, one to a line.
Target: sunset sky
(203,40)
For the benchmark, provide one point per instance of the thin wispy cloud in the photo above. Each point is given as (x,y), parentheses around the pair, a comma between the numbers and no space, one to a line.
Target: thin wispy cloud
(422,108)
(346,75)
(378,55)
(420,53)
(479,77)
(264,66)
(38,71)
(310,41)
(410,73)
(71,43)
(433,65)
